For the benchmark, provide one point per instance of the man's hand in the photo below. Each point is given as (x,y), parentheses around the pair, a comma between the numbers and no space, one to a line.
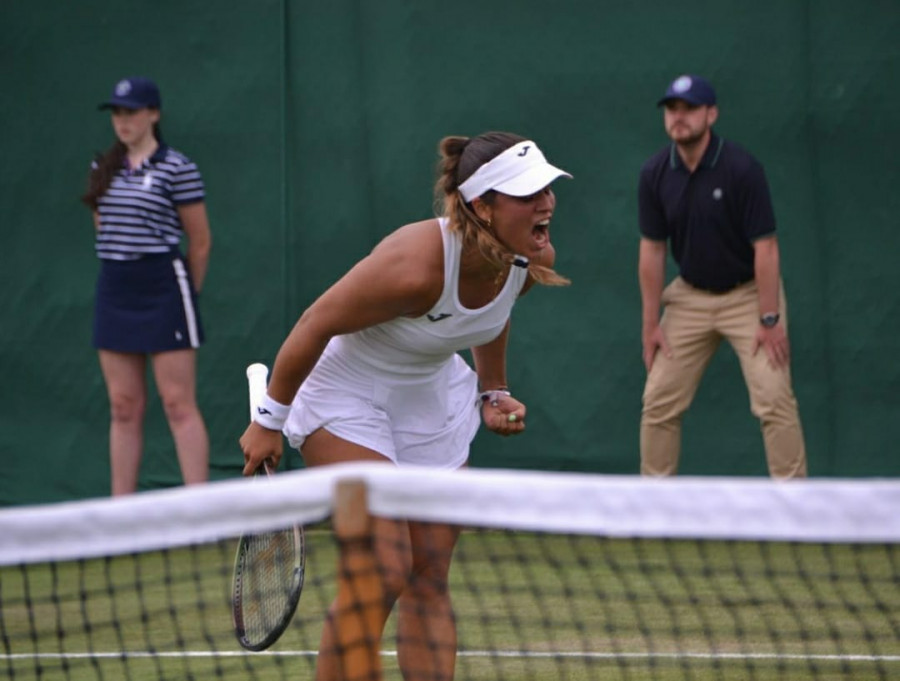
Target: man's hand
(654,340)
(774,341)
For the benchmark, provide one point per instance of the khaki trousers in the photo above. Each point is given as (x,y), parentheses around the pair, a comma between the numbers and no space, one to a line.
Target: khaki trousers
(694,323)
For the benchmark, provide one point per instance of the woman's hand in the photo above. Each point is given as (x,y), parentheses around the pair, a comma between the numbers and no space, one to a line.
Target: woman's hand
(260,444)
(504,415)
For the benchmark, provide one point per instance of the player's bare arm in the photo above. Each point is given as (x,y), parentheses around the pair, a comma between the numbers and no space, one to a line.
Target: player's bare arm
(490,361)
(503,414)
(402,276)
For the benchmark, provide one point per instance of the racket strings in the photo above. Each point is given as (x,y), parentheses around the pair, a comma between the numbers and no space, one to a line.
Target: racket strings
(266,585)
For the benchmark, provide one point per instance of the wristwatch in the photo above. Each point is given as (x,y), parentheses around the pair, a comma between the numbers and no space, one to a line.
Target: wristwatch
(769,320)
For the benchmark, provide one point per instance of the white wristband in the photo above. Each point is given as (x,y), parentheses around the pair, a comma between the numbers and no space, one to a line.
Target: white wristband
(271,414)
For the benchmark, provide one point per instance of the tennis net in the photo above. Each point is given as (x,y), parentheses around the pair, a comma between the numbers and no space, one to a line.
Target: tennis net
(554,575)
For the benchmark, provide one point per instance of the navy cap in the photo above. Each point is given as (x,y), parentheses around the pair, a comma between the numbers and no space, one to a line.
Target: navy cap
(134,93)
(692,89)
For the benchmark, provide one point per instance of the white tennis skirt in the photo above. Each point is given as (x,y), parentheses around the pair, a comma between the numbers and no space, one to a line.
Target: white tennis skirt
(422,421)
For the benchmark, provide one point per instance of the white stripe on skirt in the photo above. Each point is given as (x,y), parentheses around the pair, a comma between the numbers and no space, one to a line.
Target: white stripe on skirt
(185,288)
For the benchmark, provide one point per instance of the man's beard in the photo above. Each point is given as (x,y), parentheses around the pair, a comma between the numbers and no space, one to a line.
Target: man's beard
(691,140)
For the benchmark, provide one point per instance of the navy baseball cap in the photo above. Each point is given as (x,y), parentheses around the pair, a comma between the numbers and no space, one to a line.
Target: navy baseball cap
(692,89)
(134,93)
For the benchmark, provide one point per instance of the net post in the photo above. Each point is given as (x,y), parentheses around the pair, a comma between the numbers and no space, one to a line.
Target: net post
(359,614)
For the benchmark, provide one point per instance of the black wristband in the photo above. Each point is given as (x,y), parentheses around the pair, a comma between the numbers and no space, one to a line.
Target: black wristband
(492,396)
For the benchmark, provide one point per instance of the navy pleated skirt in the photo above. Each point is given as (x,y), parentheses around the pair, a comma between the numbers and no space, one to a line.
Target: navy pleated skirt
(146,305)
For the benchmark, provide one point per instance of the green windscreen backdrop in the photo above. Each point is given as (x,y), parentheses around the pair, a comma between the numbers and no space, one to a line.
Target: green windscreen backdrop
(315,125)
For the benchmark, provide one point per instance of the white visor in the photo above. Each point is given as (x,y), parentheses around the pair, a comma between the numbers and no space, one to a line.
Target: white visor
(521,170)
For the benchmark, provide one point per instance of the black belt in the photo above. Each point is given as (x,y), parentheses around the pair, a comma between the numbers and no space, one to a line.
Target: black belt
(717,291)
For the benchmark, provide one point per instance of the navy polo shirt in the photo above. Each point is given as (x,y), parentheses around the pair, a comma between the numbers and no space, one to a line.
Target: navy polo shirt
(712,216)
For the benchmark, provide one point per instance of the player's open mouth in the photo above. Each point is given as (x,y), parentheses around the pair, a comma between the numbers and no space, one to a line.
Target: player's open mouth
(541,233)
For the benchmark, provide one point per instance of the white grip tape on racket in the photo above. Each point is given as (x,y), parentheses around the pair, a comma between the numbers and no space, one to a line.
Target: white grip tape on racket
(263,409)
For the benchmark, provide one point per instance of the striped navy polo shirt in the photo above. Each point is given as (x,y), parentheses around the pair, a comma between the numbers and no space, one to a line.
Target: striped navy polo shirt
(139,211)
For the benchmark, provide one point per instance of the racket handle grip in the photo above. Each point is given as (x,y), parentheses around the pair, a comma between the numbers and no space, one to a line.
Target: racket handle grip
(257,375)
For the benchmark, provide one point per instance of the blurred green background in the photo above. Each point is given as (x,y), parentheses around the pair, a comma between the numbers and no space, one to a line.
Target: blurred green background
(315,126)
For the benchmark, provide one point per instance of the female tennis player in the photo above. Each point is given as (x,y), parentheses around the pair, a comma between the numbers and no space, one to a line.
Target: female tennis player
(145,197)
(370,372)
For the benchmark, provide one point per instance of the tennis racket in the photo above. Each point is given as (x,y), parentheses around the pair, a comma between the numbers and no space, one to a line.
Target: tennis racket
(269,567)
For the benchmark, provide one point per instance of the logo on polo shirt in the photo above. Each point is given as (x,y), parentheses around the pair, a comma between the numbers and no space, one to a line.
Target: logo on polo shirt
(717,194)
(524,150)
(438,317)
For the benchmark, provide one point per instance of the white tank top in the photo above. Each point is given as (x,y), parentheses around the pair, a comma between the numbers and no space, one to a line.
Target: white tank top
(418,346)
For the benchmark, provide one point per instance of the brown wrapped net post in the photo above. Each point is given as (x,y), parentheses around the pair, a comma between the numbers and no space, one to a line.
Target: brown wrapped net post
(359,612)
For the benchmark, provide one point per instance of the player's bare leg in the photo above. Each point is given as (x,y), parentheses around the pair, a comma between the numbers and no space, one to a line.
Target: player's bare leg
(426,626)
(415,576)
